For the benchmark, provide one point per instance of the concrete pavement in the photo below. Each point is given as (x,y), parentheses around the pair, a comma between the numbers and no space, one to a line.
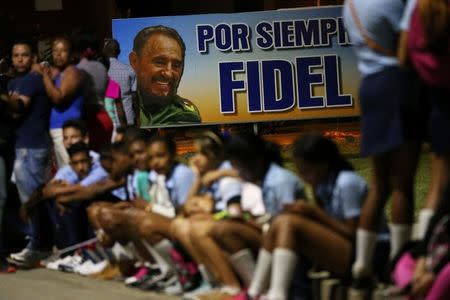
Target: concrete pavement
(43,284)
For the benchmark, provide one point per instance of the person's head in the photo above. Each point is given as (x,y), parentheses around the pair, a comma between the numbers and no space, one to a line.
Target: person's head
(85,43)
(162,153)
(111,48)
(61,52)
(130,133)
(122,164)
(74,131)
(317,158)
(106,159)
(80,160)
(208,152)
(22,56)
(137,148)
(158,60)
(251,155)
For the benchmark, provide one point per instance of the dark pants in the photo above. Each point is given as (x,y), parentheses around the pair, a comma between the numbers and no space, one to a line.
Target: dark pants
(51,228)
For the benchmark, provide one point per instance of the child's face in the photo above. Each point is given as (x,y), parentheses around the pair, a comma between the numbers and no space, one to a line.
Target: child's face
(200,161)
(160,159)
(72,136)
(121,165)
(313,174)
(81,164)
(139,155)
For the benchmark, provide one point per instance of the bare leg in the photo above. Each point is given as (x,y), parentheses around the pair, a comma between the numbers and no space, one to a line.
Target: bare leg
(314,241)
(114,222)
(403,171)
(233,236)
(149,226)
(93,212)
(378,194)
(440,175)
(214,258)
(180,230)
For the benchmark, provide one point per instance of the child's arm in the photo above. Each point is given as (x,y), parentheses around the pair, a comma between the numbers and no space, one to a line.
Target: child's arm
(89,192)
(214,175)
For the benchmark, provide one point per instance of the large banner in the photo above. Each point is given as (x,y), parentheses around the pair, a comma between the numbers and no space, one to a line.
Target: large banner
(241,67)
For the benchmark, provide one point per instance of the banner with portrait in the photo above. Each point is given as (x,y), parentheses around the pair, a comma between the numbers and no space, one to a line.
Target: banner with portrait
(251,67)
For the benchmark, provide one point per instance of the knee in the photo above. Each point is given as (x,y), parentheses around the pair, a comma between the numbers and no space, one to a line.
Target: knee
(284,221)
(179,228)
(108,218)
(221,229)
(93,211)
(200,231)
(145,226)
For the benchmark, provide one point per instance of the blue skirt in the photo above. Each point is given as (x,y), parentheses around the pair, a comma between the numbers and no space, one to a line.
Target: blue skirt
(390,111)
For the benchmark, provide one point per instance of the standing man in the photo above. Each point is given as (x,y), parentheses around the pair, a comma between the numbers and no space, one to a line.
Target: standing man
(158,60)
(122,74)
(29,104)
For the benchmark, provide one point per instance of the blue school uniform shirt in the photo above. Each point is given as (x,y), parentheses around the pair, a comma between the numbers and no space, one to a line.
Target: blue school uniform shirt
(67,174)
(279,187)
(178,183)
(343,196)
(381,21)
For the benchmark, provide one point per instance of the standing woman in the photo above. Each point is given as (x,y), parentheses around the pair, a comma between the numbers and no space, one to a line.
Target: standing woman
(86,49)
(64,88)
(424,45)
(388,124)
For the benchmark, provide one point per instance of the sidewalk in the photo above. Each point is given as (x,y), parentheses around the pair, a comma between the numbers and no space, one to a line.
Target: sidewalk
(43,284)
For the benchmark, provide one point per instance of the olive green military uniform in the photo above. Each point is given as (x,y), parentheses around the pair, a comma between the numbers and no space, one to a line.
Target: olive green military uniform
(180,111)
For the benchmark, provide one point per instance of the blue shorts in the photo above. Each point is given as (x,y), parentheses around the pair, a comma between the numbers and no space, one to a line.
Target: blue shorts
(390,110)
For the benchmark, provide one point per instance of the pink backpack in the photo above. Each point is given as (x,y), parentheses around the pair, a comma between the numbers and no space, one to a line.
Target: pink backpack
(433,68)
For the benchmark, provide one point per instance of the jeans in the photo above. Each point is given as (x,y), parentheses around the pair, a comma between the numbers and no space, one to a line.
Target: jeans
(29,172)
(30,168)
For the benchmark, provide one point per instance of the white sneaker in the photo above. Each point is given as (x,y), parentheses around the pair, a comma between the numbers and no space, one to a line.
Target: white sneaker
(53,265)
(83,267)
(71,264)
(19,255)
(94,268)
(28,258)
(175,289)
(204,288)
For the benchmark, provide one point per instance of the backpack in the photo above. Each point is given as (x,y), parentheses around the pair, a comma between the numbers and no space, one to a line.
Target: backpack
(433,68)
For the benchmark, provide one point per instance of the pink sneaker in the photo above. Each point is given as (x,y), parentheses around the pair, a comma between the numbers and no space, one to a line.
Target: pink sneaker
(138,276)
(242,296)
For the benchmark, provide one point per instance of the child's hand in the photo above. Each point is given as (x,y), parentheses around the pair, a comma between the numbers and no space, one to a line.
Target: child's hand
(422,284)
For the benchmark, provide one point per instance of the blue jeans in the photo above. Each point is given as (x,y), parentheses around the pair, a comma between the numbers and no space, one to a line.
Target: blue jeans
(29,171)
(30,168)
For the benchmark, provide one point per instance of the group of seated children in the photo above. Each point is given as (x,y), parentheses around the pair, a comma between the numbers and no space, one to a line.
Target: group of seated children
(234,221)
